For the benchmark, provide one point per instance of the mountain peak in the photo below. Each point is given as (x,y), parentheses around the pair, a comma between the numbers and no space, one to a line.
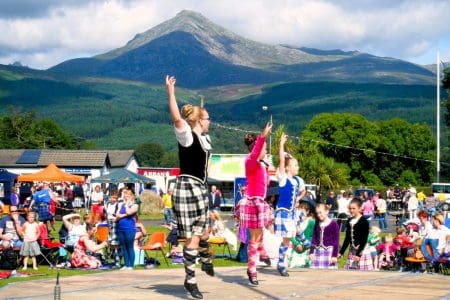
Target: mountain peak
(219,41)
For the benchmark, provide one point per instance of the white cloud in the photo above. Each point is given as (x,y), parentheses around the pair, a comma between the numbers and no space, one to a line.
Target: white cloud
(401,29)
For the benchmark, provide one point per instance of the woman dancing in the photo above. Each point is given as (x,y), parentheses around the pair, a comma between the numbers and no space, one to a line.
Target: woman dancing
(190,196)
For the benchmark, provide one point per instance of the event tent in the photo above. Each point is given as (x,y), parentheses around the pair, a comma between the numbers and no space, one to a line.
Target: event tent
(51,173)
(7,181)
(122,176)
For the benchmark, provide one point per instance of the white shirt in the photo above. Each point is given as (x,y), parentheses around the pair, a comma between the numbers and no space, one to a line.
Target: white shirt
(185,138)
(343,205)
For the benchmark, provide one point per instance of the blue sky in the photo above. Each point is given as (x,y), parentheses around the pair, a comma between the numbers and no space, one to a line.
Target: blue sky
(43,33)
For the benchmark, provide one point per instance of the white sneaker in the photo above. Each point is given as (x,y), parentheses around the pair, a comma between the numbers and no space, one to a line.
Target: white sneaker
(124,268)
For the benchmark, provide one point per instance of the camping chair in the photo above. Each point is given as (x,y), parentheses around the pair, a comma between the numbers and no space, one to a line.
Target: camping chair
(5,210)
(220,242)
(102,235)
(50,251)
(156,242)
(417,259)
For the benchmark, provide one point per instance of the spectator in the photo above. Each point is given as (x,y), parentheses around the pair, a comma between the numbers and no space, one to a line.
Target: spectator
(421,198)
(75,229)
(15,198)
(436,239)
(431,203)
(80,258)
(331,205)
(126,228)
(78,196)
(139,238)
(387,252)
(368,210)
(11,229)
(413,203)
(343,212)
(325,241)
(356,237)
(112,208)
(96,204)
(166,205)
(214,198)
(43,199)
(381,211)
(30,246)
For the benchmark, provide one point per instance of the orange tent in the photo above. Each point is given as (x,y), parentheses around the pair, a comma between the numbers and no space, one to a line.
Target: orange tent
(51,173)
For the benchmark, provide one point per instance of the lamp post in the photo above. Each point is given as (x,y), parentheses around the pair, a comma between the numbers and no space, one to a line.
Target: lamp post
(266,108)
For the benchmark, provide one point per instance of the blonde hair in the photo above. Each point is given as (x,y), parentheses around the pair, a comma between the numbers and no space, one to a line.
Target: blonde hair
(375,230)
(388,238)
(192,114)
(438,217)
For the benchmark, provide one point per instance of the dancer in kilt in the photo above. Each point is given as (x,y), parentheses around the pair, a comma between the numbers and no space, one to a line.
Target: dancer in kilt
(325,240)
(292,189)
(356,237)
(190,196)
(254,211)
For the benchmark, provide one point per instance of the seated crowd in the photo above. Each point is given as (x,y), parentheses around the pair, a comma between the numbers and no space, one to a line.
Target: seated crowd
(316,245)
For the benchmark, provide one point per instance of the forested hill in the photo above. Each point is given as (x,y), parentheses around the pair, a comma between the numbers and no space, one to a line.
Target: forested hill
(119,114)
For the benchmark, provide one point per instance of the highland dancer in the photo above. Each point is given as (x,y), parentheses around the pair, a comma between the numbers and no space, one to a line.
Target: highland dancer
(254,212)
(190,196)
(291,189)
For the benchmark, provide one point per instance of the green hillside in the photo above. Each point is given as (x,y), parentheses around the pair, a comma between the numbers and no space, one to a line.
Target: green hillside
(294,104)
(119,114)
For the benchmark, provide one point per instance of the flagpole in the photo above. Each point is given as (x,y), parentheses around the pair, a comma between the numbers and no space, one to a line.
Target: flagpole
(438,119)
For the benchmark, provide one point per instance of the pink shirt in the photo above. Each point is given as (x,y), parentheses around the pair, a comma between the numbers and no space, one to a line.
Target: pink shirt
(368,208)
(256,171)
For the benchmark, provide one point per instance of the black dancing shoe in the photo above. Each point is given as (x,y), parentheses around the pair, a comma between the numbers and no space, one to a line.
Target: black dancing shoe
(283,272)
(252,278)
(192,288)
(266,260)
(208,268)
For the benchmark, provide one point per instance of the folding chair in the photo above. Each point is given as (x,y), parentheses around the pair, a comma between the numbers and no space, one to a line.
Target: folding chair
(220,242)
(50,251)
(156,242)
(102,235)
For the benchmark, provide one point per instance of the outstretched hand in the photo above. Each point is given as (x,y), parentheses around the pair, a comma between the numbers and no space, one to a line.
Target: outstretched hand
(283,138)
(170,84)
(267,130)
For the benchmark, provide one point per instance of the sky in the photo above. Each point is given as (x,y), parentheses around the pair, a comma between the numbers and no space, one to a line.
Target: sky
(43,33)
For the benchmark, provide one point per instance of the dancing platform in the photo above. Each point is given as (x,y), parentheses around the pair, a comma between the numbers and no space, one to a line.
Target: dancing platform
(232,283)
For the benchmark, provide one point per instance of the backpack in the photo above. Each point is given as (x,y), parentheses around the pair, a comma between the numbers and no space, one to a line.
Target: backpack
(8,260)
(242,253)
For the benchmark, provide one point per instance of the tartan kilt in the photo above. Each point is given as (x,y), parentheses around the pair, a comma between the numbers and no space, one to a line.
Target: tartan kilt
(44,212)
(365,262)
(254,212)
(285,223)
(190,206)
(322,258)
(113,239)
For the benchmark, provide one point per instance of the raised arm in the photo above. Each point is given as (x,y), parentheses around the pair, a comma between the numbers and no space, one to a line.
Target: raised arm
(281,154)
(173,106)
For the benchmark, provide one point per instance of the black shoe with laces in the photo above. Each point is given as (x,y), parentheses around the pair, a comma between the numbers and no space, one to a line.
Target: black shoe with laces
(267,261)
(252,278)
(283,272)
(192,288)
(208,268)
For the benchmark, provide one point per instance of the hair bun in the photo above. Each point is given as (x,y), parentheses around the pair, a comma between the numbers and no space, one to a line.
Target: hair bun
(249,139)
(187,110)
